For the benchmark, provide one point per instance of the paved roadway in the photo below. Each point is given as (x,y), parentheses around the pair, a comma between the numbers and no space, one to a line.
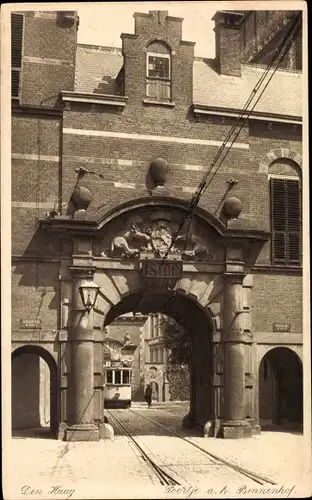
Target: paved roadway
(115,469)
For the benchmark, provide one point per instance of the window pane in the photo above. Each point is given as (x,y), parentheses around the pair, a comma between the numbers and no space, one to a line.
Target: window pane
(17,38)
(293,206)
(117,377)
(15,81)
(109,376)
(279,247)
(125,377)
(158,67)
(294,247)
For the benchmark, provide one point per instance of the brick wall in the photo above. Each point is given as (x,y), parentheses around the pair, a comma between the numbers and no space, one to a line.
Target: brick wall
(35,295)
(228,49)
(276,299)
(35,187)
(48,57)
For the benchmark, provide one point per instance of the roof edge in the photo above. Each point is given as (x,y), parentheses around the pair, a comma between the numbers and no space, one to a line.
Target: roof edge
(254,115)
(99,47)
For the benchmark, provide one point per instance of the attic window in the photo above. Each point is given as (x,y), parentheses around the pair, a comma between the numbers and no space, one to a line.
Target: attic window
(158,76)
(17,25)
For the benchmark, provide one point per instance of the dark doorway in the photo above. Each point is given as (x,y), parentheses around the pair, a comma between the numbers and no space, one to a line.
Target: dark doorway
(281,390)
(34,392)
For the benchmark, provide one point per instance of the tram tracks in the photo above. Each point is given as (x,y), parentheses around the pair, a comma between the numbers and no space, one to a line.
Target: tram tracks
(172,479)
(164,477)
(258,478)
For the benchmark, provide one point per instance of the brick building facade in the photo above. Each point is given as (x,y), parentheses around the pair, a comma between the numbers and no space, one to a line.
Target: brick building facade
(87,123)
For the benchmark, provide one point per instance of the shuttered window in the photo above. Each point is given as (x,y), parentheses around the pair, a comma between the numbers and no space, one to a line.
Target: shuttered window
(286,221)
(17,24)
(158,81)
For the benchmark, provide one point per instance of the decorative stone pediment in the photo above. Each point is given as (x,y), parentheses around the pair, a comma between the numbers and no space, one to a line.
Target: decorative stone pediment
(154,233)
(146,228)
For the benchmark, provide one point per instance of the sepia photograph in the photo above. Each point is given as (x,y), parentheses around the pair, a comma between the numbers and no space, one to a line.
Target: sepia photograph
(155,250)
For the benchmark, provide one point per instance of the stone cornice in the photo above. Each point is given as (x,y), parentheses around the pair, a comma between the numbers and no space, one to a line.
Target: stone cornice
(36,110)
(200,109)
(284,270)
(89,227)
(100,99)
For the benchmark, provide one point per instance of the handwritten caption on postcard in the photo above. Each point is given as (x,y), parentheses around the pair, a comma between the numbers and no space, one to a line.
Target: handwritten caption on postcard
(53,491)
(244,491)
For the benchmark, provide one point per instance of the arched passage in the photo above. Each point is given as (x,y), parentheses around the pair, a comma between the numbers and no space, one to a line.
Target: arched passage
(199,324)
(34,388)
(281,389)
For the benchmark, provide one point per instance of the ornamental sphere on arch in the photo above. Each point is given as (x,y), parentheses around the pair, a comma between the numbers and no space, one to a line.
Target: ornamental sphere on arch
(233,207)
(159,169)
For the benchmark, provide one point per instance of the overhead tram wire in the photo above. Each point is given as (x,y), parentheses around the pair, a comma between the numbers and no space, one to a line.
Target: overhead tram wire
(291,35)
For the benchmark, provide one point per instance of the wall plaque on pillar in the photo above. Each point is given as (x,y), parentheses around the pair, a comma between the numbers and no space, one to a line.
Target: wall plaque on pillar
(282,327)
(161,273)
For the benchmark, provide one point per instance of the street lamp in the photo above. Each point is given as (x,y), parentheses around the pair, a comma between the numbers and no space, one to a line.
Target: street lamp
(89,292)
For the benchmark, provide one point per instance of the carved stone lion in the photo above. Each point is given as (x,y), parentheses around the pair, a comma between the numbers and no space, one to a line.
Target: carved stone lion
(130,242)
(190,245)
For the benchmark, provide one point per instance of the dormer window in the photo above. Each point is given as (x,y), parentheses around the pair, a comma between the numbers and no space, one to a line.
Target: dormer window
(158,72)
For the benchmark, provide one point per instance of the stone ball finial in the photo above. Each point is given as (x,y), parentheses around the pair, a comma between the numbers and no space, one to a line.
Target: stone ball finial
(81,198)
(233,207)
(159,169)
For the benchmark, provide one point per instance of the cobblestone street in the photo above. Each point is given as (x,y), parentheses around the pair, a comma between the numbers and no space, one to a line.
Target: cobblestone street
(115,469)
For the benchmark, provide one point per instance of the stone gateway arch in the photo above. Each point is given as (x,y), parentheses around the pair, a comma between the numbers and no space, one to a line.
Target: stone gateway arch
(141,262)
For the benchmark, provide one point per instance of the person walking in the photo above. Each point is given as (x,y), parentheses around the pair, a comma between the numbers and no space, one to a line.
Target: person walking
(148,395)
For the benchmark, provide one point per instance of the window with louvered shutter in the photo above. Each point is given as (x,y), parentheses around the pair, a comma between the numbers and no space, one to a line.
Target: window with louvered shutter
(17,25)
(286,221)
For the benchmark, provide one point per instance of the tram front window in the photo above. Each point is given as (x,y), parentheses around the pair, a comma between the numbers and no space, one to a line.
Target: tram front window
(125,376)
(117,377)
(109,376)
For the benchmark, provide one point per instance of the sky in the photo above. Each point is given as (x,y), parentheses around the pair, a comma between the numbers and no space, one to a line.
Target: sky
(102,23)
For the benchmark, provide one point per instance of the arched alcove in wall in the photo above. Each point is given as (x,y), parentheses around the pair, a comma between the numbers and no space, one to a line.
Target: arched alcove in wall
(34,389)
(284,168)
(281,390)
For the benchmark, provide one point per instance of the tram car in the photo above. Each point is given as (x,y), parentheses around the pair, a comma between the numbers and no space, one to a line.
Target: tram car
(118,373)
(117,389)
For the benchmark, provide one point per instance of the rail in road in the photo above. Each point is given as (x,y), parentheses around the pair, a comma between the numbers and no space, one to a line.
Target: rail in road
(165,478)
(126,416)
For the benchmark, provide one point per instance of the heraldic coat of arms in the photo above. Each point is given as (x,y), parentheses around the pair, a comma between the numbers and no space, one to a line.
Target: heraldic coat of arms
(161,237)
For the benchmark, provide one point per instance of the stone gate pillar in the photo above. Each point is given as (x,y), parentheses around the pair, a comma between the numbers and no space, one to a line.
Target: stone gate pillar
(81,384)
(234,424)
